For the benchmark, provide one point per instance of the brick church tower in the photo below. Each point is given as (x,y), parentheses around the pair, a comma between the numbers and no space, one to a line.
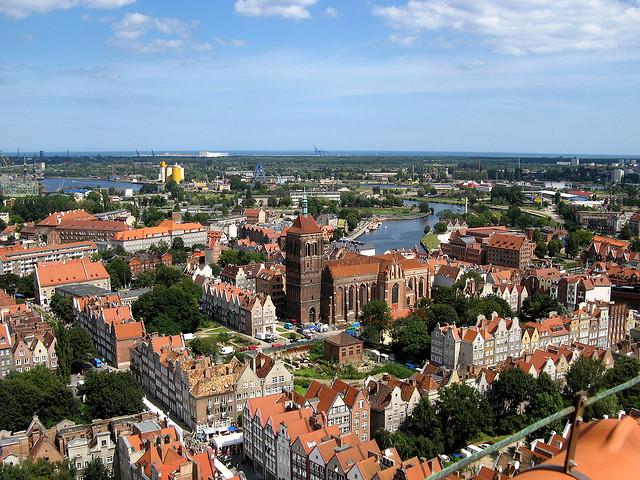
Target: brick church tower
(304,268)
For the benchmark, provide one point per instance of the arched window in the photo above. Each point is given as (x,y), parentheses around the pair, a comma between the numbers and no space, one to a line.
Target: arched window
(315,248)
(352,298)
(363,295)
(395,293)
(308,245)
(312,315)
(421,288)
(411,284)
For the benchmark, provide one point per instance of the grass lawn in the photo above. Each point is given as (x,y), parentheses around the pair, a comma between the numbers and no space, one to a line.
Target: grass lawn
(430,240)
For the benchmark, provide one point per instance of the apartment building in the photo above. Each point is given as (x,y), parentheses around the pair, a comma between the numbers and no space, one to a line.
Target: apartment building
(575,289)
(392,402)
(509,250)
(255,215)
(272,281)
(147,261)
(487,343)
(98,231)
(167,231)
(22,261)
(197,390)
(247,312)
(244,276)
(81,271)
(6,350)
(111,326)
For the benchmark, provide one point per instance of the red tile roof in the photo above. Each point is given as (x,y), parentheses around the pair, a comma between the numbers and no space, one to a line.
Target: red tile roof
(305,224)
(70,271)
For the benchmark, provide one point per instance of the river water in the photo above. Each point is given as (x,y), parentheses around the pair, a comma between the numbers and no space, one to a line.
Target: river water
(54,184)
(404,233)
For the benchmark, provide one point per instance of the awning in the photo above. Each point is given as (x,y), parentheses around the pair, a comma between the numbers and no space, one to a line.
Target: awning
(222,441)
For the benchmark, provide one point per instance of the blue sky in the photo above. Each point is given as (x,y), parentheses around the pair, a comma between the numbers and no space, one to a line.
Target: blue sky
(461,75)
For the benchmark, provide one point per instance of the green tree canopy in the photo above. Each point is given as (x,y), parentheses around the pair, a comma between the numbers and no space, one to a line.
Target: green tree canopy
(411,340)
(540,305)
(62,307)
(36,392)
(40,470)
(119,272)
(111,394)
(464,413)
(96,470)
(586,374)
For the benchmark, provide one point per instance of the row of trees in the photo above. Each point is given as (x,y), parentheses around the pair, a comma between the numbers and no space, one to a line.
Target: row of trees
(44,393)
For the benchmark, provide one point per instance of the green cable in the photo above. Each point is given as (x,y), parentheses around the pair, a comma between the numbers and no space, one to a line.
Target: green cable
(530,429)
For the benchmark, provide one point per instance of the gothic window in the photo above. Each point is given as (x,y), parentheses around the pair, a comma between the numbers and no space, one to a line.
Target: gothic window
(395,293)
(312,315)
(363,294)
(351,298)
(308,245)
(421,288)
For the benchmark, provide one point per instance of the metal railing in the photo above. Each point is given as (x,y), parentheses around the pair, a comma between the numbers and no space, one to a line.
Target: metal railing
(582,401)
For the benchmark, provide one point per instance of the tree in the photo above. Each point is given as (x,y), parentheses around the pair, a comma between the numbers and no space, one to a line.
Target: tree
(40,470)
(111,394)
(540,305)
(623,370)
(586,374)
(170,310)
(554,246)
(119,272)
(146,278)
(541,250)
(376,318)
(411,340)
(36,392)
(427,228)
(440,227)
(485,306)
(635,245)
(204,346)
(511,390)
(625,233)
(96,470)
(464,413)
(215,269)
(441,313)
(62,307)
(573,247)
(152,216)
(424,207)
(167,276)
(74,348)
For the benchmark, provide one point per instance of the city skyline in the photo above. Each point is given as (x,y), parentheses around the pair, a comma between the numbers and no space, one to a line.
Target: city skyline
(288,74)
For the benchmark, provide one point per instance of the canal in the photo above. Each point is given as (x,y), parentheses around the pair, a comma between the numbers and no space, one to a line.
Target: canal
(394,234)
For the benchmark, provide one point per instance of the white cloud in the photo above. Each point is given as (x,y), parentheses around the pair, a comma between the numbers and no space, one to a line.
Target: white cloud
(24,8)
(234,42)
(404,39)
(331,12)
(146,34)
(291,9)
(519,27)
(94,73)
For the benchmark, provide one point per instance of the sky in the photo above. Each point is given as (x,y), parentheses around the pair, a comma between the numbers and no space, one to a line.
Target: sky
(541,76)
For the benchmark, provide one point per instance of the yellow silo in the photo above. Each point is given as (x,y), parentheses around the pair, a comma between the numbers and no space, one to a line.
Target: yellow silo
(177,173)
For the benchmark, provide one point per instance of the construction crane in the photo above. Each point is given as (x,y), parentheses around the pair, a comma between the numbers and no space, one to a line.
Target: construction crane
(6,161)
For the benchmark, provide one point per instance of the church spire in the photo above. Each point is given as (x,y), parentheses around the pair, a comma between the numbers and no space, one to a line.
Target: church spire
(305,205)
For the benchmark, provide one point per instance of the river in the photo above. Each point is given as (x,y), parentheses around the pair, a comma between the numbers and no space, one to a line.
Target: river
(404,233)
(54,184)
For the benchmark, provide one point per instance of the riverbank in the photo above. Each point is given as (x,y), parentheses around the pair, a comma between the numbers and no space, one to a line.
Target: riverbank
(430,242)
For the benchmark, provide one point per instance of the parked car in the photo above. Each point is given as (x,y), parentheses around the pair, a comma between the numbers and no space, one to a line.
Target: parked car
(484,445)
(288,326)
(276,345)
(474,448)
(96,362)
(465,453)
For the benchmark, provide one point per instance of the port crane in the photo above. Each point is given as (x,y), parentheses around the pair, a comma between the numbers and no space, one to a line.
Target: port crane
(318,151)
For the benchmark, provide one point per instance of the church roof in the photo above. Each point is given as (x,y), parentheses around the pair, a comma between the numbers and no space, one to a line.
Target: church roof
(305,224)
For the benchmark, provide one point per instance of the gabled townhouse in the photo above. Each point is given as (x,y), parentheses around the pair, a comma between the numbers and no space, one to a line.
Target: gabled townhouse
(340,404)
(247,312)
(392,402)
(487,343)
(576,289)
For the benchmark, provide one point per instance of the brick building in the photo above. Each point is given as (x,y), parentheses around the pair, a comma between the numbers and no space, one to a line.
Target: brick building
(147,261)
(304,250)
(343,349)
(510,250)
